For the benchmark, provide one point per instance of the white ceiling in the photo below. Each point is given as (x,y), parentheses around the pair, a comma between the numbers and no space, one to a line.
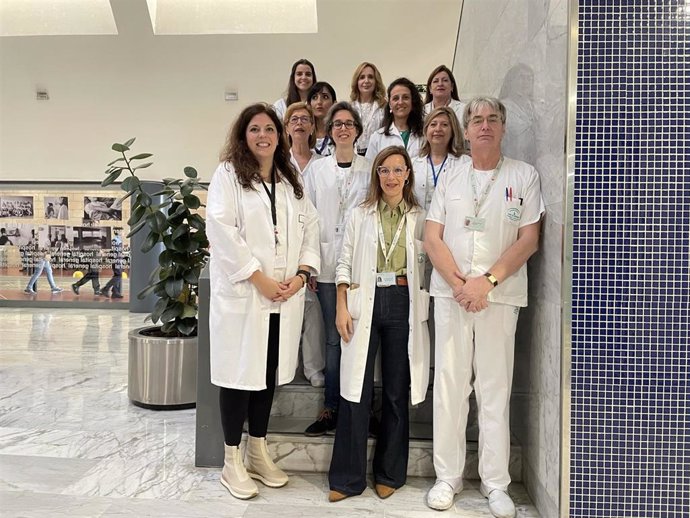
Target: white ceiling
(167,17)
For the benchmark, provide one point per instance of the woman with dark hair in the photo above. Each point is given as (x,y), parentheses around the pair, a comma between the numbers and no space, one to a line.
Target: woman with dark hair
(442,90)
(381,302)
(403,120)
(264,247)
(442,152)
(335,185)
(368,96)
(302,77)
(321,98)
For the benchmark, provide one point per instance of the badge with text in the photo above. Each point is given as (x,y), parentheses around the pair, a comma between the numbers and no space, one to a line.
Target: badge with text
(385,279)
(339,230)
(475,224)
(281,261)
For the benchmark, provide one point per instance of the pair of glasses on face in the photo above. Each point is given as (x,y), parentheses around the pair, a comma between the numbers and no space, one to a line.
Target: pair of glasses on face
(348,124)
(303,119)
(395,171)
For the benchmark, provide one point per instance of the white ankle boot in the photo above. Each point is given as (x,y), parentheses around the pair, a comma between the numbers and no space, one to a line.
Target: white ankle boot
(260,466)
(234,476)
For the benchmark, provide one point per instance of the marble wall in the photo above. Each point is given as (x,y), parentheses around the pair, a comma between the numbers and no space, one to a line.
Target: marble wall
(516,50)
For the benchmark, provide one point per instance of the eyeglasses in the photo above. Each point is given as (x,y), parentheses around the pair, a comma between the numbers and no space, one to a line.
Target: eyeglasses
(303,119)
(479,121)
(385,171)
(348,124)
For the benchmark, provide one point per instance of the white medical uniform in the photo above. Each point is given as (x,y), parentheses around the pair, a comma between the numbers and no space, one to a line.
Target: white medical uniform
(280,107)
(241,232)
(480,343)
(371,115)
(324,146)
(424,176)
(457,106)
(379,141)
(313,332)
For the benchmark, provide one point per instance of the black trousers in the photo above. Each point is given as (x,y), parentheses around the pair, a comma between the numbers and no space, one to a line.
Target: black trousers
(236,406)
(390,329)
(93,276)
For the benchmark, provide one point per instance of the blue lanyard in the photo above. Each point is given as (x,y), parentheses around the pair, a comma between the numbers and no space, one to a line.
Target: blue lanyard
(324,144)
(433,169)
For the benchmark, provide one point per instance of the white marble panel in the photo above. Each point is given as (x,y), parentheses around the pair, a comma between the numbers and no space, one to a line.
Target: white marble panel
(41,474)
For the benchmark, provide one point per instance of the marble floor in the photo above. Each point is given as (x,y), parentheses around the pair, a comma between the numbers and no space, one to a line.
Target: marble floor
(71,444)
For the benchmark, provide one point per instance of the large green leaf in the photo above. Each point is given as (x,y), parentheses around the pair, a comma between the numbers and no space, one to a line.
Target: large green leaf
(120,148)
(158,222)
(110,179)
(190,172)
(172,311)
(166,258)
(145,292)
(136,215)
(143,199)
(142,166)
(197,222)
(173,287)
(150,241)
(130,142)
(158,309)
(140,156)
(136,228)
(192,276)
(189,311)
(130,183)
(116,161)
(192,201)
(180,231)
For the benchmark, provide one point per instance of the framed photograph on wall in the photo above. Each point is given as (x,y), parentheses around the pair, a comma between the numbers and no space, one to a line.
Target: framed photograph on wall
(16,206)
(89,238)
(56,207)
(99,208)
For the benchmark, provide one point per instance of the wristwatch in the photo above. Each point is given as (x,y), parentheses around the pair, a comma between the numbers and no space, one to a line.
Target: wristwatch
(305,275)
(493,280)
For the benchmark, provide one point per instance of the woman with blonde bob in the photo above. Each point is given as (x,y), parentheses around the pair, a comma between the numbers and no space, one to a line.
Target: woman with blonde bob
(380,302)
(443,150)
(368,96)
(300,129)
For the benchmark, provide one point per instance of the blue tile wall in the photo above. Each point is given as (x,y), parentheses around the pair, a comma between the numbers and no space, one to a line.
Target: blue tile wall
(630,393)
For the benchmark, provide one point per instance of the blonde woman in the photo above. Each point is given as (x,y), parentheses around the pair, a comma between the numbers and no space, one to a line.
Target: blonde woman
(368,96)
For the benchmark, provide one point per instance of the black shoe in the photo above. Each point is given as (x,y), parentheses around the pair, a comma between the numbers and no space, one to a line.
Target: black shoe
(323,424)
(117,296)
(97,293)
(374,425)
(105,293)
(75,289)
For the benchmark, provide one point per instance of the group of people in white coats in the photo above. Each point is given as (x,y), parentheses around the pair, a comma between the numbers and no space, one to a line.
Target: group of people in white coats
(363,233)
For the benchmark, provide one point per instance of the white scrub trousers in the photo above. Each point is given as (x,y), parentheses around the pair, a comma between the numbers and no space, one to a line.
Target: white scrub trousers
(481,344)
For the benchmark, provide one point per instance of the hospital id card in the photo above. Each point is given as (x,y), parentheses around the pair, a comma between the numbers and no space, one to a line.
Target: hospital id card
(475,224)
(339,230)
(385,279)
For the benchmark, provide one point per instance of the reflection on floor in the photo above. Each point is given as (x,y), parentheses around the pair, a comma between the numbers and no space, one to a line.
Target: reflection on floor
(13,283)
(71,444)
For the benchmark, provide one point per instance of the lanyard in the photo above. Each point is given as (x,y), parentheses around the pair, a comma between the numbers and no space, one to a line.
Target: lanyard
(272,196)
(344,186)
(433,169)
(382,240)
(479,199)
(324,144)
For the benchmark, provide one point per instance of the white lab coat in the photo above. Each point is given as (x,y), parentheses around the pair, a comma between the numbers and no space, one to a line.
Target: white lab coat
(323,183)
(240,230)
(457,106)
(370,123)
(357,266)
(379,141)
(280,107)
(424,178)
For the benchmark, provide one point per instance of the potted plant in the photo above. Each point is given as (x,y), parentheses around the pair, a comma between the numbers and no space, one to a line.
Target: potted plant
(162,358)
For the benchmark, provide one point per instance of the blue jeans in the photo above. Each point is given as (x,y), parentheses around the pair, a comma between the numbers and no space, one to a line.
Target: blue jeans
(43,265)
(389,329)
(327,293)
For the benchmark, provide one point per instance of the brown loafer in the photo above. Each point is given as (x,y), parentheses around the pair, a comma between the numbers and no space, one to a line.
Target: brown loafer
(384,491)
(336,496)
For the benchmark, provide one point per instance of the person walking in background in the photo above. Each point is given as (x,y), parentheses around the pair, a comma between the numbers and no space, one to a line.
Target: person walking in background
(115,282)
(42,264)
(93,259)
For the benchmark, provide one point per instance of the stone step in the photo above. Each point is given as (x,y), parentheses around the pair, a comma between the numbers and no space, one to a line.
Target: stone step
(296,452)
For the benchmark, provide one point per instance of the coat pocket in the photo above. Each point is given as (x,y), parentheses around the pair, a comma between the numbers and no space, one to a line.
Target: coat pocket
(354,302)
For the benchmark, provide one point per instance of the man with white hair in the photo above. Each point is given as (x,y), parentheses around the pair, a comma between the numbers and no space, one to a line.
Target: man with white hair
(482,226)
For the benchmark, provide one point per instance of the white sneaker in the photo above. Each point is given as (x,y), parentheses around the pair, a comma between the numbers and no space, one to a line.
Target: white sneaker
(500,503)
(441,496)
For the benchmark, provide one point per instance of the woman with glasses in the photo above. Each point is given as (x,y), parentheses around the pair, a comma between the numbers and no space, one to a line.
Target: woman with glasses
(301,132)
(403,120)
(368,96)
(335,185)
(442,90)
(299,127)
(380,302)
(302,77)
(442,151)
(321,98)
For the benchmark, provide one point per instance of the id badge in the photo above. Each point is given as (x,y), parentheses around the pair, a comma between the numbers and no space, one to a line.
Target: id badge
(475,224)
(339,230)
(385,279)
(281,261)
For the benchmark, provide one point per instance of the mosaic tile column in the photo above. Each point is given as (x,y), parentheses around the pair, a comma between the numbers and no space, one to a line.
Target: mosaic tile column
(630,388)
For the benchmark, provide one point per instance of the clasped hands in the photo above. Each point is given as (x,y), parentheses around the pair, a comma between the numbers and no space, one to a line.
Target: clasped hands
(471,292)
(278,291)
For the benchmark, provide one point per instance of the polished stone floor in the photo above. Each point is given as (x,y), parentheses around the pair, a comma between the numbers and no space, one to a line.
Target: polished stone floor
(71,444)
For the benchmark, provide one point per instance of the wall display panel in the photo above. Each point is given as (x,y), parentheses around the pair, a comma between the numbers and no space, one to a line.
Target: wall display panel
(81,227)
(630,385)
